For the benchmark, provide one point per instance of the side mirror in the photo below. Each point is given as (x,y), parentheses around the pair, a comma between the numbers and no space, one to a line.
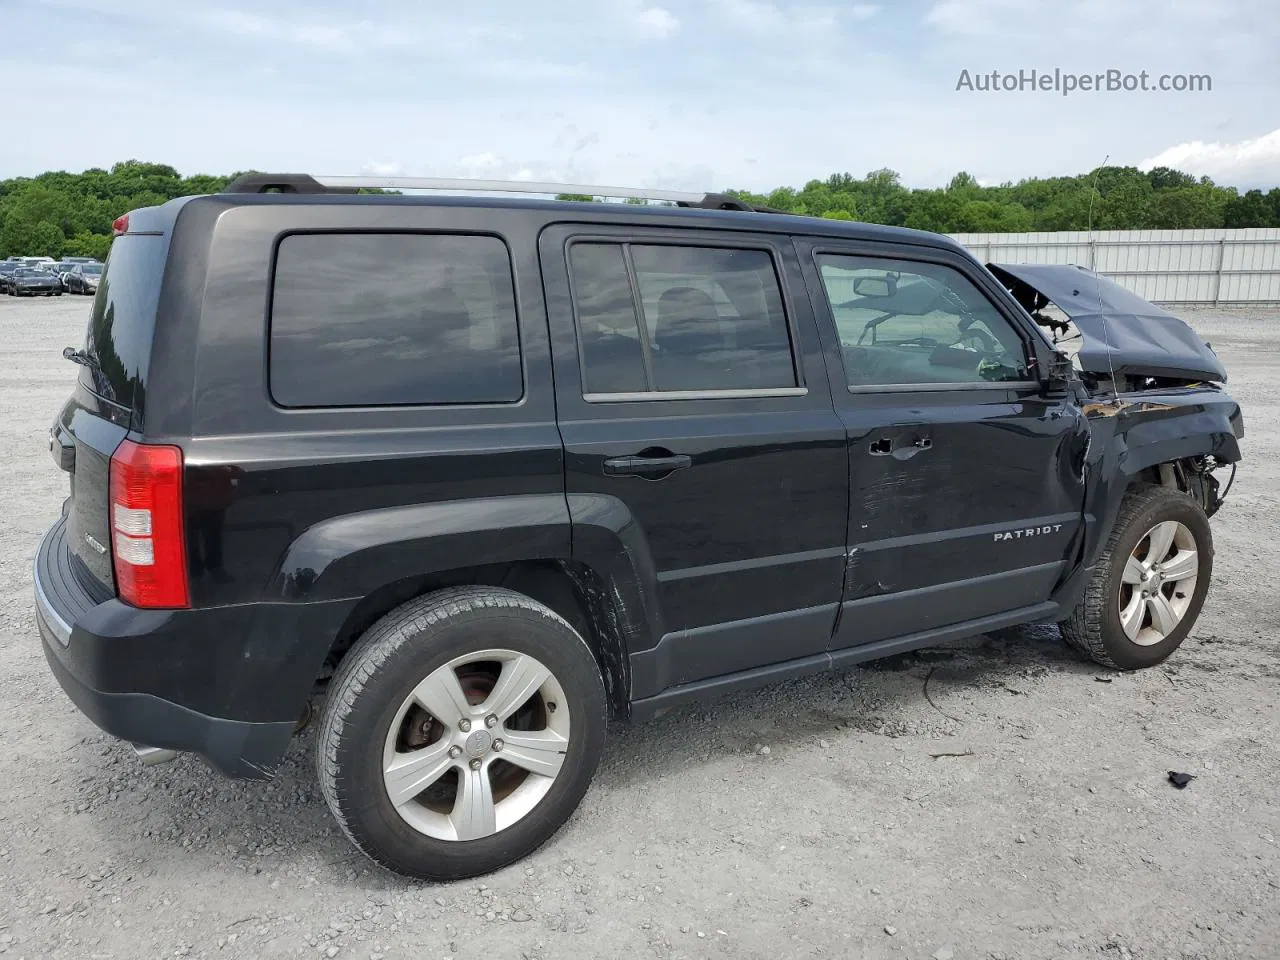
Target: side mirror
(885,286)
(1059,372)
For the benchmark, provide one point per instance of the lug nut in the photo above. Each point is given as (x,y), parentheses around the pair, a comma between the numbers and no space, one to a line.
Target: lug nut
(475,764)
(491,720)
(498,745)
(464,725)
(455,752)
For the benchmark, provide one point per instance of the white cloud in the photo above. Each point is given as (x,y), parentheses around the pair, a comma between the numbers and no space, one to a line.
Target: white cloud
(332,37)
(479,166)
(1247,163)
(971,17)
(760,16)
(389,168)
(653,23)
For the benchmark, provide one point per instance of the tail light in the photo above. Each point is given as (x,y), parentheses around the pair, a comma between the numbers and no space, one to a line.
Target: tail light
(149,546)
(120,225)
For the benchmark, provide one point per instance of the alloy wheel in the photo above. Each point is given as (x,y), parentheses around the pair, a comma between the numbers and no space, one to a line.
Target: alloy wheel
(476,745)
(1158,583)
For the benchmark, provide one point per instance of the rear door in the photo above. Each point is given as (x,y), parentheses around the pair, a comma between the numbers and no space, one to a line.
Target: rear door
(693,400)
(109,395)
(967,491)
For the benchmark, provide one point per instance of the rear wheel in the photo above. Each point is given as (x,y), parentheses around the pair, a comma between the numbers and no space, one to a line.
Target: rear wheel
(461,732)
(1149,584)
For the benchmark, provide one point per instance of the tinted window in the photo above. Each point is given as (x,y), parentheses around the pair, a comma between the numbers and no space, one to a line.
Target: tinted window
(124,319)
(383,319)
(903,322)
(709,319)
(612,352)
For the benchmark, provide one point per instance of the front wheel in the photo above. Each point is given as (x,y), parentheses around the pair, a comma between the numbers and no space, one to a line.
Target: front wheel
(1149,585)
(461,732)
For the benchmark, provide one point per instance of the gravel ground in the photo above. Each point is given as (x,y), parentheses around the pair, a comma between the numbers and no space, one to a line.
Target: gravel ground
(988,799)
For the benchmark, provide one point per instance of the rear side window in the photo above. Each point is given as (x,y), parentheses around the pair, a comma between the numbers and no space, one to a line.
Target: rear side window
(660,318)
(123,320)
(392,319)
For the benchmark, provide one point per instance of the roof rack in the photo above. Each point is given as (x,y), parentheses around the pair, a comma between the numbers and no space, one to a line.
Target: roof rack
(307,184)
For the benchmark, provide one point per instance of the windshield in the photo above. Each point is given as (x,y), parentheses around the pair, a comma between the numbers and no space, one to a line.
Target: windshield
(92,269)
(29,272)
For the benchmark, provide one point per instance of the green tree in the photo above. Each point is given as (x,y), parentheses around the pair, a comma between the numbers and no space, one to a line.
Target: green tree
(988,216)
(936,210)
(1163,178)
(1248,211)
(1186,208)
(65,213)
(965,184)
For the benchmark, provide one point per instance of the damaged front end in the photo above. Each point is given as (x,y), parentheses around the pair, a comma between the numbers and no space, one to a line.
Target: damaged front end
(1156,406)
(1120,342)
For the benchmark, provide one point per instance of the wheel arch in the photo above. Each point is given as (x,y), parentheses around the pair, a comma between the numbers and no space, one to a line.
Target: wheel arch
(572,590)
(595,571)
(1158,443)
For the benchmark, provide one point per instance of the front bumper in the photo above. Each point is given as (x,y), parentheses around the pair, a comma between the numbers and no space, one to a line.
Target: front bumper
(92,647)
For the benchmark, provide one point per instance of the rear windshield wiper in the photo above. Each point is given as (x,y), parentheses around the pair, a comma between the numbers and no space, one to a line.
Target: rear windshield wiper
(80,357)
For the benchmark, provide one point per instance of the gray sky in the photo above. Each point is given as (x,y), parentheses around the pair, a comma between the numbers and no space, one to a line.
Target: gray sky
(693,95)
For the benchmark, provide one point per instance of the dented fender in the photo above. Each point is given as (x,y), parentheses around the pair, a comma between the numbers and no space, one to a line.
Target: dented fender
(1129,434)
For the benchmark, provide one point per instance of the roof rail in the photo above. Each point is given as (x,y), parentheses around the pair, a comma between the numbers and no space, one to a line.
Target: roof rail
(307,184)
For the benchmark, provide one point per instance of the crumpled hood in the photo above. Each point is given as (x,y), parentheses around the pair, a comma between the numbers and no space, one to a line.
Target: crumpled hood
(1119,330)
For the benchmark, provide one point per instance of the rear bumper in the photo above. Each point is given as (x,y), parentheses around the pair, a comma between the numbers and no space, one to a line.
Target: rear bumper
(95,647)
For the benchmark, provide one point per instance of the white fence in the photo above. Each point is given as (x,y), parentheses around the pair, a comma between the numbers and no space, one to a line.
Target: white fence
(1164,266)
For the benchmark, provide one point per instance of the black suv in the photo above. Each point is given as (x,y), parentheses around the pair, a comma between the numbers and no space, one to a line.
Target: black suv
(490,472)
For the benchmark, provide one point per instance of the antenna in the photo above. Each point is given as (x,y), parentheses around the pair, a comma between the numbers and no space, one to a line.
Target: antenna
(1097,282)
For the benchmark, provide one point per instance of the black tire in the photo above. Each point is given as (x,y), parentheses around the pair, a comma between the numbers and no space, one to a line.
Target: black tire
(379,673)
(1094,626)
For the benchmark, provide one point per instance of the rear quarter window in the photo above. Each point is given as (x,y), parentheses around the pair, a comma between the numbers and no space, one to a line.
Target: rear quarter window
(363,320)
(123,320)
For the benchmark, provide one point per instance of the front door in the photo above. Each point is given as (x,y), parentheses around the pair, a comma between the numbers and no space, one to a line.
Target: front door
(967,492)
(698,425)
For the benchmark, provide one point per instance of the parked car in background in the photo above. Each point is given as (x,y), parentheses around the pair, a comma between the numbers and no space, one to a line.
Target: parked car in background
(81,260)
(61,269)
(83,278)
(7,270)
(34,282)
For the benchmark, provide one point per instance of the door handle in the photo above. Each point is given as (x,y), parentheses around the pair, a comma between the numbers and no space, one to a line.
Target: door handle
(907,450)
(652,468)
(902,450)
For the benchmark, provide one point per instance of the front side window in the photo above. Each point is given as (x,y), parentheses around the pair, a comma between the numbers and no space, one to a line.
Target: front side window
(660,318)
(903,322)
(392,319)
